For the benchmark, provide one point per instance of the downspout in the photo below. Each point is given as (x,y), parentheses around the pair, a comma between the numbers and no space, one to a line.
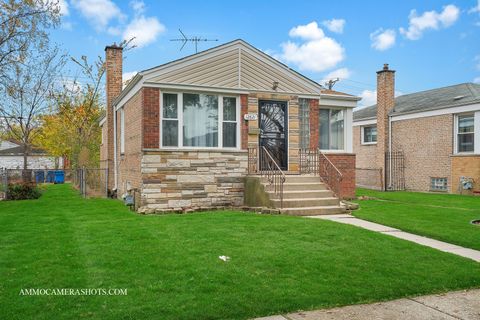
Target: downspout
(115,147)
(390,151)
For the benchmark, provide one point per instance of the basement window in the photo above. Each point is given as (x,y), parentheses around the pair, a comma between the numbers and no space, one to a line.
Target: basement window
(438,184)
(369,135)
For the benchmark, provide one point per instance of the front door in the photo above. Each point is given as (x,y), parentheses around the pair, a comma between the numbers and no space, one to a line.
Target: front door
(273,130)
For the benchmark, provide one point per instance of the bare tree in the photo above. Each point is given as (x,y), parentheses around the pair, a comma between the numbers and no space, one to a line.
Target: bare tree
(23,25)
(27,95)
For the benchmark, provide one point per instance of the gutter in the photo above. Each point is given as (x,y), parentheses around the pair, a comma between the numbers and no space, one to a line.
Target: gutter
(115,146)
(390,151)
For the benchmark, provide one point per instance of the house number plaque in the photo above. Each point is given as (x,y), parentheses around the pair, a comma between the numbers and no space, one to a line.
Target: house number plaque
(250,116)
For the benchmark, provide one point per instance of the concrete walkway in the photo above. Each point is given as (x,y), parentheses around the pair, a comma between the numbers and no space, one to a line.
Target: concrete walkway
(424,241)
(452,305)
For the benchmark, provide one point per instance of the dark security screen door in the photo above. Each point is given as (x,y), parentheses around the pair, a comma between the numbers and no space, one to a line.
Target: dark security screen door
(273,133)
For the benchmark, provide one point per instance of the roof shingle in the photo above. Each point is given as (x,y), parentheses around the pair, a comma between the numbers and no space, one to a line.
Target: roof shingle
(451,96)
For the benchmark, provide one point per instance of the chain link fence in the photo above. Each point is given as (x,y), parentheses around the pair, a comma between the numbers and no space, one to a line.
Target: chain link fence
(91,182)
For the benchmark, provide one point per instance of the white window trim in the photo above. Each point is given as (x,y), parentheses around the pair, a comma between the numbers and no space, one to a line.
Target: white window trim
(220,121)
(347,130)
(476,133)
(362,135)
(167,119)
(122,131)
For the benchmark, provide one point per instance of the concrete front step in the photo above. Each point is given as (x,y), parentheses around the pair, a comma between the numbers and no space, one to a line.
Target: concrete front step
(306,202)
(304,196)
(313,211)
(295,194)
(303,179)
(303,186)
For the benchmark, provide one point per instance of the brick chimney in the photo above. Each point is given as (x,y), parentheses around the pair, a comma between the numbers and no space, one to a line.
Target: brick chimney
(113,70)
(385,103)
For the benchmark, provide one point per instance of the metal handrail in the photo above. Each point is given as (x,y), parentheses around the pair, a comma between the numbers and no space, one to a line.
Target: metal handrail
(331,163)
(314,161)
(329,173)
(270,169)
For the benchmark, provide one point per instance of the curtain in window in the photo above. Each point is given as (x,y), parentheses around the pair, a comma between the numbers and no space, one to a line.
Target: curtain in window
(324,139)
(331,129)
(200,120)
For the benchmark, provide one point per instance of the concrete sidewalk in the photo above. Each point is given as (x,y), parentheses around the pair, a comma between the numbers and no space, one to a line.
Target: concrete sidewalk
(424,241)
(452,305)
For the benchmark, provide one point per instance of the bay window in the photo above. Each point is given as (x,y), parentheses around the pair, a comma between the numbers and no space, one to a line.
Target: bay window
(465,133)
(332,129)
(197,120)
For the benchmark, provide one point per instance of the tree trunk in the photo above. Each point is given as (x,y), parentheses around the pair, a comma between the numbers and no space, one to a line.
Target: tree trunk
(25,156)
(26,175)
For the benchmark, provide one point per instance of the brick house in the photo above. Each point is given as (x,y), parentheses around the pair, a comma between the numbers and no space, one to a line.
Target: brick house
(434,137)
(186,134)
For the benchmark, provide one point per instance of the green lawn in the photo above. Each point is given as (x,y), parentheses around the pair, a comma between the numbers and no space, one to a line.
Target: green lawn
(440,216)
(170,265)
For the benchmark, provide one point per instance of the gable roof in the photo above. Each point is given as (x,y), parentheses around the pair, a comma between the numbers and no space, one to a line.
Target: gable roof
(15,149)
(440,98)
(236,66)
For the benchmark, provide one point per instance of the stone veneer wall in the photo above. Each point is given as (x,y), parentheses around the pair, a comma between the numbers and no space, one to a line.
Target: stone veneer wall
(184,180)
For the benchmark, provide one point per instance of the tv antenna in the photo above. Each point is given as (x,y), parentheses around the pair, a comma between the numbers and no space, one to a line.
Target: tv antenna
(330,83)
(193,39)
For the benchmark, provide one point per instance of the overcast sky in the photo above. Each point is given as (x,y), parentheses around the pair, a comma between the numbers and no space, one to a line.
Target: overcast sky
(429,43)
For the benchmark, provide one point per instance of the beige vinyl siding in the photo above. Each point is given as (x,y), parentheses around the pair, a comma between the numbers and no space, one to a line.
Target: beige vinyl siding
(259,73)
(237,68)
(222,68)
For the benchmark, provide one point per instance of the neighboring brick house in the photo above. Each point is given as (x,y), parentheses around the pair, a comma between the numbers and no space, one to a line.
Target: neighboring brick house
(180,133)
(436,132)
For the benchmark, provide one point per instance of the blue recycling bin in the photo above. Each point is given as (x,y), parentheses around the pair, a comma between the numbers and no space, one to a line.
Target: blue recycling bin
(50,176)
(59,176)
(40,176)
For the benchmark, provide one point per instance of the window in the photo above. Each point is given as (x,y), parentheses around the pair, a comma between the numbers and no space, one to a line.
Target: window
(229,122)
(331,129)
(465,133)
(304,115)
(170,120)
(199,120)
(122,131)
(438,184)
(369,135)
